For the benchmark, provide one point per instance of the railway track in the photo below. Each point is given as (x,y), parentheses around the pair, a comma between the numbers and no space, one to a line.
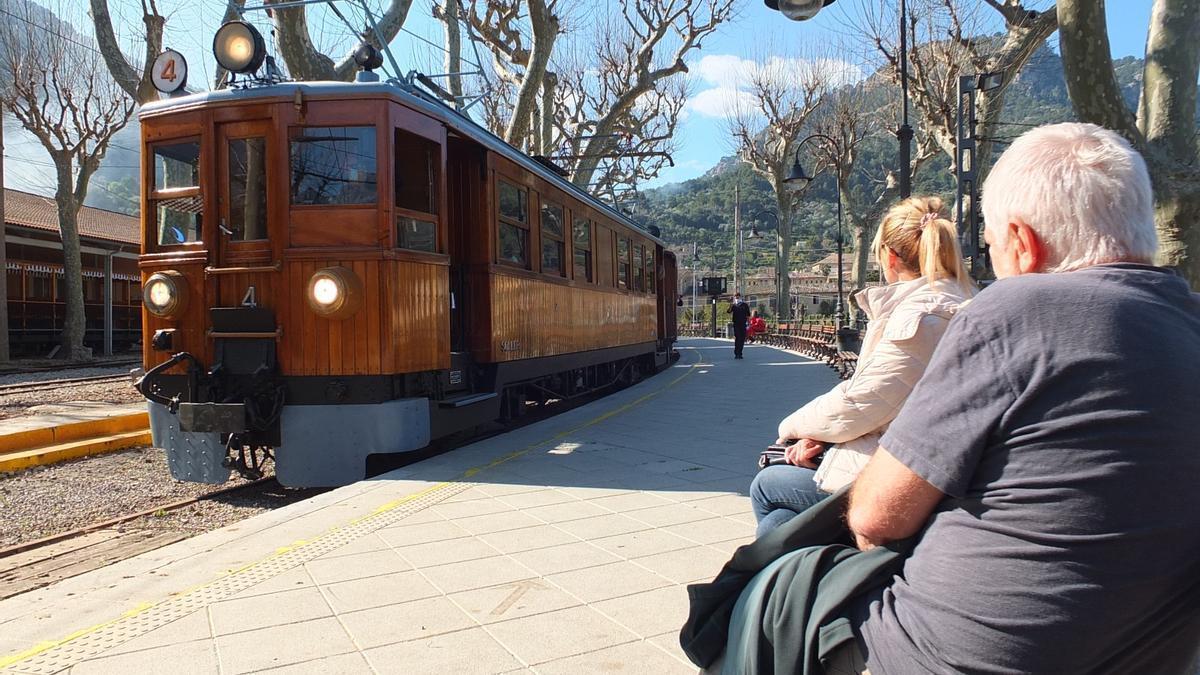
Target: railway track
(44,385)
(34,564)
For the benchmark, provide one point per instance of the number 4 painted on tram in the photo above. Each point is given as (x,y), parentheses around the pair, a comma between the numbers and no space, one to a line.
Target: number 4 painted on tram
(250,299)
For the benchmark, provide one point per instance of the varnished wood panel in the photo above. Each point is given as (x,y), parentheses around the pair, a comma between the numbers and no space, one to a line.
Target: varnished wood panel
(190,328)
(532,318)
(326,226)
(417,334)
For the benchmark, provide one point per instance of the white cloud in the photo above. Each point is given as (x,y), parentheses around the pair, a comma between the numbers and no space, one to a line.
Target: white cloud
(726,76)
(720,102)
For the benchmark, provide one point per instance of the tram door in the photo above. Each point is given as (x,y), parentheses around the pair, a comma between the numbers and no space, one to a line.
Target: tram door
(465,192)
(242,210)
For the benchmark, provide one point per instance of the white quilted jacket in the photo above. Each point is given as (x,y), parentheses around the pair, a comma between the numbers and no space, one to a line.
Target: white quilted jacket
(907,319)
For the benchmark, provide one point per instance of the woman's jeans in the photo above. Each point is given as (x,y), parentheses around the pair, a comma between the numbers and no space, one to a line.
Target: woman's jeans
(780,492)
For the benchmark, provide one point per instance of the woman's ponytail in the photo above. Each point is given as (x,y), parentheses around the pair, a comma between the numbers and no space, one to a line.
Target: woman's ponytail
(940,256)
(925,241)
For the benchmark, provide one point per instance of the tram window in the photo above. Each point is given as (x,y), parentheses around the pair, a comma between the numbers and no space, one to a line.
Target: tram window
(333,166)
(248,189)
(514,202)
(639,271)
(417,160)
(175,199)
(582,231)
(416,235)
(623,263)
(553,246)
(178,220)
(513,223)
(177,165)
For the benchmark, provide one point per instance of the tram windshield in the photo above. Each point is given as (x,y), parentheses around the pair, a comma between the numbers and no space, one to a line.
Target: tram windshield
(333,166)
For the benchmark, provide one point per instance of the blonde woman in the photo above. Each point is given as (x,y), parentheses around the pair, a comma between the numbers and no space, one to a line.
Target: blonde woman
(918,253)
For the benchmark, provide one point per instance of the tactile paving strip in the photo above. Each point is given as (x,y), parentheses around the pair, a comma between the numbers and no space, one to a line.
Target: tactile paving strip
(140,621)
(92,642)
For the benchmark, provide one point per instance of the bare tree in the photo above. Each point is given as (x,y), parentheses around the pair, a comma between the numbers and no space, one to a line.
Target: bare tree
(846,119)
(135,81)
(1164,127)
(646,48)
(305,61)
(61,94)
(606,103)
(501,25)
(448,13)
(781,96)
(949,38)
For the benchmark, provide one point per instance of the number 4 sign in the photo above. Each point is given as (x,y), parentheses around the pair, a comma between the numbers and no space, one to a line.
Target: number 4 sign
(169,73)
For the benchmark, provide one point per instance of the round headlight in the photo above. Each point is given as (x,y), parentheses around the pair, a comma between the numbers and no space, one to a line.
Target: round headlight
(165,294)
(335,292)
(239,47)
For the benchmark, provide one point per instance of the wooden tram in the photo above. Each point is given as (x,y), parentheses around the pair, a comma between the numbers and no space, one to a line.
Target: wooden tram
(332,270)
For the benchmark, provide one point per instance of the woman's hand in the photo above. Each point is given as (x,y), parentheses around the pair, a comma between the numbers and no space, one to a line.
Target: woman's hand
(803,452)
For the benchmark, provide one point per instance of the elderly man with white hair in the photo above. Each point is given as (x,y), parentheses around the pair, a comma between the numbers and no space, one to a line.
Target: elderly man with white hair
(1049,458)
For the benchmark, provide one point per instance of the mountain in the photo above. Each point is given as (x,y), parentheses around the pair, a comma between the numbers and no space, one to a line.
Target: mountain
(700,210)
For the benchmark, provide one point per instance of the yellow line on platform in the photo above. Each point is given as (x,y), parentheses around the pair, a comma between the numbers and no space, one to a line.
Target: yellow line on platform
(43,647)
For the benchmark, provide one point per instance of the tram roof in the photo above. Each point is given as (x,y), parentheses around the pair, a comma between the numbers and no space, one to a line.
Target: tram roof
(415,99)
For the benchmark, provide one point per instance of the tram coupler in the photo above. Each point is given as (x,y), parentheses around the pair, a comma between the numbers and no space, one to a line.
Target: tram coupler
(224,418)
(146,383)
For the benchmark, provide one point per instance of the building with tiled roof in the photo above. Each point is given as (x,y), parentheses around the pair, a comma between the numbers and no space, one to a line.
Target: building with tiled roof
(109,243)
(41,213)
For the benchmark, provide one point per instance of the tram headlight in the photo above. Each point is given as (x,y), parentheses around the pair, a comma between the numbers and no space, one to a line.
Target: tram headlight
(239,47)
(335,292)
(165,294)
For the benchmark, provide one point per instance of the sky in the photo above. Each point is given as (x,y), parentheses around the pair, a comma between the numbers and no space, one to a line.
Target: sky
(756,36)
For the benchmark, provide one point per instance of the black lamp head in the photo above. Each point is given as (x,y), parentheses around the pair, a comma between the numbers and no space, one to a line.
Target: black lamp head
(798,10)
(797,177)
(367,56)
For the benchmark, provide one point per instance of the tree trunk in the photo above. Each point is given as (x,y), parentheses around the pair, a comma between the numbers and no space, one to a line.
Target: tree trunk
(453,50)
(1169,94)
(547,109)
(545,30)
(783,250)
(74,323)
(136,84)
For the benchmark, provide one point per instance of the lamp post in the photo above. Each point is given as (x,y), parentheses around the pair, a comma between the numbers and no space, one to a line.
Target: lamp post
(802,10)
(695,263)
(798,177)
(847,337)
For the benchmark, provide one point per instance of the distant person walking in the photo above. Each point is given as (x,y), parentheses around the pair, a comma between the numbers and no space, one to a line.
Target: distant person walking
(741,315)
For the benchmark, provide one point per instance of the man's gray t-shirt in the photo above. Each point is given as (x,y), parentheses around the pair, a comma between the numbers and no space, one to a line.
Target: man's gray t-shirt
(1061,416)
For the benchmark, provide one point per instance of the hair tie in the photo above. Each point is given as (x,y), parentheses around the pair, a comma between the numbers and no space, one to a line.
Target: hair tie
(928,218)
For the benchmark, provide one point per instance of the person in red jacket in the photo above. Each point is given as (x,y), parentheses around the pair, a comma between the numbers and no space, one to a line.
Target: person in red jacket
(757,326)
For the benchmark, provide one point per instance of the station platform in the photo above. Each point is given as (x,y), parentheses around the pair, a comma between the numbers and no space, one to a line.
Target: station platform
(560,547)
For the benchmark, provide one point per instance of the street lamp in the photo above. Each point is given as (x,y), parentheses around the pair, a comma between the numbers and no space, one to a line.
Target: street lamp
(798,178)
(802,10)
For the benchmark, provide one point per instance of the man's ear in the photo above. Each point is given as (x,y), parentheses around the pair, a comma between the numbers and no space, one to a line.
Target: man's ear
(1031,253)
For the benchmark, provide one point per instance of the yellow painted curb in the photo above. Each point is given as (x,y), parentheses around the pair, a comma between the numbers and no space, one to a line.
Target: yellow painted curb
(23,459)
(29,439)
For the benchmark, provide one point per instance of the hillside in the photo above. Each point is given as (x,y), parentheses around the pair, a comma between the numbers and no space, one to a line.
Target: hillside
(701,210)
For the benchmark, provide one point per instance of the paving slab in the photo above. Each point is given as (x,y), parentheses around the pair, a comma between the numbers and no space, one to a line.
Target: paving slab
(562,547)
